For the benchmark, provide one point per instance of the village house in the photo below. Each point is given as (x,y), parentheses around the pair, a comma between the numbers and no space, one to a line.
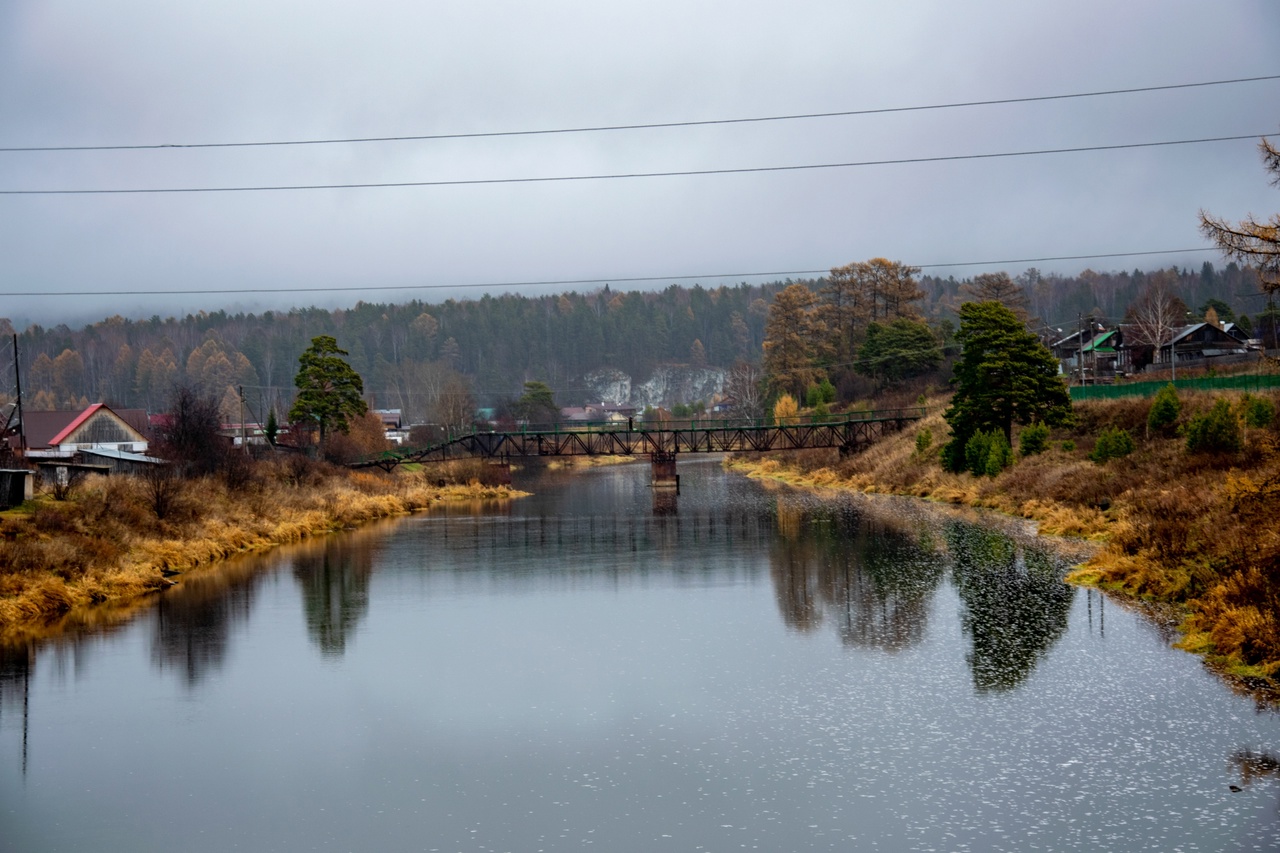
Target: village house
(66,445)
(1195,344)
(1102,355)
(60,435)
(1092,354)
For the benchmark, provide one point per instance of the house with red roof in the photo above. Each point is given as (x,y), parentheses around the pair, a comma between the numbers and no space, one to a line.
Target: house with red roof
(60,435)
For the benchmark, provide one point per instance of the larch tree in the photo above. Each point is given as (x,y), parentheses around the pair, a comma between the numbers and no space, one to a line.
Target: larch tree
(893,288)
(792,340)
(1251,241)
(329,389)
(846,309)
(1004,376)
(997,287)
(858,294)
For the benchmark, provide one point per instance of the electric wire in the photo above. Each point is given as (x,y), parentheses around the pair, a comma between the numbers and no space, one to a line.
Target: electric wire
(565,282)
(680,173)
(646,126)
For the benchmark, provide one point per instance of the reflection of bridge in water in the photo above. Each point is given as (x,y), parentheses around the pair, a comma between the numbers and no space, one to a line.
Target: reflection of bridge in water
(662,442)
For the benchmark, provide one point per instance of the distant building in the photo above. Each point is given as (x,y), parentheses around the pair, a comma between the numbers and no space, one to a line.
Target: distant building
(597,413)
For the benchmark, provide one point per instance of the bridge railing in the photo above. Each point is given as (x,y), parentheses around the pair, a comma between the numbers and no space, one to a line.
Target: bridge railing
(699,424)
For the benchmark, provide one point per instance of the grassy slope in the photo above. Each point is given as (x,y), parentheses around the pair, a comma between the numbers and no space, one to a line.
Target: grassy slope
(1196,530)
(105,544)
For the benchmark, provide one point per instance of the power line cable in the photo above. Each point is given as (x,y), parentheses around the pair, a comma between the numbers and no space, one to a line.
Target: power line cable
(572,282)
(629,175)
(648,126)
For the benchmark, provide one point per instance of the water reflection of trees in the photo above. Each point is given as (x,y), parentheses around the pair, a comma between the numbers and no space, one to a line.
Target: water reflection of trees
(1015,601)
(193,624)
(17,662)
(335,590)
(1254,765)
(869,578)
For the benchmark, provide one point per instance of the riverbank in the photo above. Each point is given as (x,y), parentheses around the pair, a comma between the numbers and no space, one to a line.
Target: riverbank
(1192,530)
(117,539)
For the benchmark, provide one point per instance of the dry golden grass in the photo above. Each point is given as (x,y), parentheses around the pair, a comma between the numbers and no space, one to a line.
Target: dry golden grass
(107,545)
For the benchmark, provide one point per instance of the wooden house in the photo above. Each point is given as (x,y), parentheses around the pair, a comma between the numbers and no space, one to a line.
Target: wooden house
(60,435)
(1199,342)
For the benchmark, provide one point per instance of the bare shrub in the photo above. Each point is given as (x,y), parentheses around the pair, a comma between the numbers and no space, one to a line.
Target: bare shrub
(191,437)
(162,489)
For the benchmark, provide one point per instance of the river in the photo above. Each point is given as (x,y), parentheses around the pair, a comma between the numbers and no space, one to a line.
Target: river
(607,667)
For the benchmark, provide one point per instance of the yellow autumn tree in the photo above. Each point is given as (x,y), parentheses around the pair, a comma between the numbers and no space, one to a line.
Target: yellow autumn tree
(786,407)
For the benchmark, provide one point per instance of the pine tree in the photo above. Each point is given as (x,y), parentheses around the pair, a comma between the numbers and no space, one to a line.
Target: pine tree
(329,390)
(1004,376)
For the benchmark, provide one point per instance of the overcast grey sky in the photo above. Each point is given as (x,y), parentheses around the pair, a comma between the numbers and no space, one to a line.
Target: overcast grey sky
(135,73)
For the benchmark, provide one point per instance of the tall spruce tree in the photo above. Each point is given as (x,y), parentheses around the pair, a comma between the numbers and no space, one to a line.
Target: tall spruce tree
(1004,376)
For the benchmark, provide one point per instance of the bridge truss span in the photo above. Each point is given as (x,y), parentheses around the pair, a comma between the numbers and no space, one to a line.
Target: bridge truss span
(849,432)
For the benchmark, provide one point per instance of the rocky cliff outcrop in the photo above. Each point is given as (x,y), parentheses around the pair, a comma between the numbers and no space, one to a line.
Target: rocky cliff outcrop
(668,385)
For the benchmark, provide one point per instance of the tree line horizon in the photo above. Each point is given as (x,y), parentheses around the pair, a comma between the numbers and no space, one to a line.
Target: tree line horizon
(413,354)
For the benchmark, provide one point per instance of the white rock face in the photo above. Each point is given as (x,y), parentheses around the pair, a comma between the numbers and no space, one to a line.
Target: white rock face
(670,384)
(608,386)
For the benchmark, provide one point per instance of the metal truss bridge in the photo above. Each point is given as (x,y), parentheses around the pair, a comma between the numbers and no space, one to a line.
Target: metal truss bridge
(661,441)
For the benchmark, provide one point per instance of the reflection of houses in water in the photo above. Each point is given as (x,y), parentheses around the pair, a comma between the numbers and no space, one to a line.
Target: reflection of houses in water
(871,580)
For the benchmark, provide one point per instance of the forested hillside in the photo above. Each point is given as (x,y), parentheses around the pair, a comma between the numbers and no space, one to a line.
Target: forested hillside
(406,352)
(409,353)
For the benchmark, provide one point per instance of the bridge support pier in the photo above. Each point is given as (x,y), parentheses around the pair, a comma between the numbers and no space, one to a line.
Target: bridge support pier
(664,470)
(501,469)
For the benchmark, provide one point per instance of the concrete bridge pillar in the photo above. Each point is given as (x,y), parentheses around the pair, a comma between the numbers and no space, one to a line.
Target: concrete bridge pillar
(664,470)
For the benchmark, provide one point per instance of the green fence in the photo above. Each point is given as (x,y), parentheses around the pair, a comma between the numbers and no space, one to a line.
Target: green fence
(1241,382)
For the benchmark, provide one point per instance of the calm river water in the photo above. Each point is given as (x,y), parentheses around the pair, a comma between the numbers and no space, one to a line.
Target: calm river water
(605,667)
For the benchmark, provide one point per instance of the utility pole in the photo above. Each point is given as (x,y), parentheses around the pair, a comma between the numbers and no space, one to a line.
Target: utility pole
(244,445)
(22,423)
(1080,348)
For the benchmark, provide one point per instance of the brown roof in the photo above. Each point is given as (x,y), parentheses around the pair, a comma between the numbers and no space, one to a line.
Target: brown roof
(42,428)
